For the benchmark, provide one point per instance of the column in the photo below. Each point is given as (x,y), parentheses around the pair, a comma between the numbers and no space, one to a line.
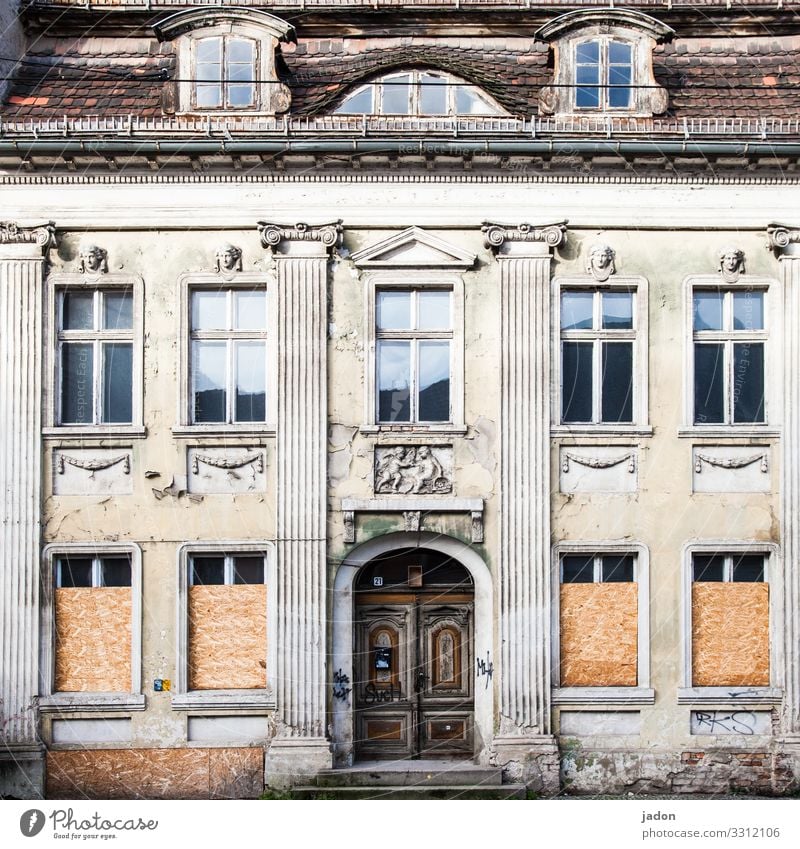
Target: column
(301,263)
(523,581)
(22,252)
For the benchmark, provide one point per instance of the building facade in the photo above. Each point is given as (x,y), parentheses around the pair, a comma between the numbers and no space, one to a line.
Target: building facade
(389,383)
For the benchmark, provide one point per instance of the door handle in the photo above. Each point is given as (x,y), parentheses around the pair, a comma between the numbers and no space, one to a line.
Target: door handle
(421,679)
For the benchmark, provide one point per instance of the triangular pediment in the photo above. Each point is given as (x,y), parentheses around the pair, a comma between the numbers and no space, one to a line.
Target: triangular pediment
(413,248)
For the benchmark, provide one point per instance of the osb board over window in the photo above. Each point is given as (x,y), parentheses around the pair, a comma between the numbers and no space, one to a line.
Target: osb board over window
(230,773)
(228,637)
(730,634)
(599,635)
(93,639)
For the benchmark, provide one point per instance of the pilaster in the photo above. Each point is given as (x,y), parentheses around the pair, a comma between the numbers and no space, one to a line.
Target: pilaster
(524,745)
(301,262)
(22,251)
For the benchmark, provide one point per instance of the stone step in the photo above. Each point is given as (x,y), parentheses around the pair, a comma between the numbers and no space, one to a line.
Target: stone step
(419,774)
(506,791)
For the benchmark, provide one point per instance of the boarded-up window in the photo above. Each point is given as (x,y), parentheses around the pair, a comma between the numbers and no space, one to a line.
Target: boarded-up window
(227,628)
(599,621)
(92,624)
(730,621)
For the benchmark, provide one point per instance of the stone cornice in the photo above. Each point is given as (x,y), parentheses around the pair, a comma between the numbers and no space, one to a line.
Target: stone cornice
(41,234)
(327,235)
(780,236)
(551,235)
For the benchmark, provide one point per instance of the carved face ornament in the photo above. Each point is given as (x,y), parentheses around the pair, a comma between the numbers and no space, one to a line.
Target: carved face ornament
(731,263)
(228,258)
(600,263)
(93,259)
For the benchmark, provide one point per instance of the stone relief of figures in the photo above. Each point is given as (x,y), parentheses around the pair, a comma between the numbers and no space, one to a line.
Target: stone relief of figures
(413,469)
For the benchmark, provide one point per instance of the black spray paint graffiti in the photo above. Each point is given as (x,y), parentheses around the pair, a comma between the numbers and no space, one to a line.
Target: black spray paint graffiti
(340,691)
(373,695)
(717,721)
(484,668)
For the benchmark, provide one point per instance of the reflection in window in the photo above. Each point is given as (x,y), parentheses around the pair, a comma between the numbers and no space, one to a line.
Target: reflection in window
(603,75)
(225,73)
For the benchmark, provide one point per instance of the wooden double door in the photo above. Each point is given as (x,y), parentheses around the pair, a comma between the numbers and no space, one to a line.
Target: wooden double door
(413,668)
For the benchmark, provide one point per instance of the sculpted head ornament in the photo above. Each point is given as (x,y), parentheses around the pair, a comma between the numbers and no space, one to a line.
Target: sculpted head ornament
(228,258)
(731,263)
(600,262)
(93,259)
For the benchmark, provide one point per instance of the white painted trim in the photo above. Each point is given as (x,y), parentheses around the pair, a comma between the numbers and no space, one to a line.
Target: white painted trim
(185,699)
(453,256)
(641,693)
(70,702)
(730,696)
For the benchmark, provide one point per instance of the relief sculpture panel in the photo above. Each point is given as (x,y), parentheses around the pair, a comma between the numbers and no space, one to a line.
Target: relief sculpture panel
(413,469)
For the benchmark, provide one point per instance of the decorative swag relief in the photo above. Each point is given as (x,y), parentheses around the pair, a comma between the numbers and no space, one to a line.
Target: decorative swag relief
(598,468)
(92,471)
(220,470)
(731,468)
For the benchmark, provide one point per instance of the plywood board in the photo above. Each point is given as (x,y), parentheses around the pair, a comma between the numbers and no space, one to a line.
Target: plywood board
(156,773)
(599,631)
(730,634)
(93,639)
(228,637)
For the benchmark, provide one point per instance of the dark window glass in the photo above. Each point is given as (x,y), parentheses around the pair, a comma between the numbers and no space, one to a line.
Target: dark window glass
(709,384)
(576,377)
(78,311)
(209,365)
(77,383)
(208,570)
(118,311)
(118,382)
(248,570)
(620,72)
(617,568)
(617,382)
(394,381)
(434,381)
(75,571)
(748,567)
(116,571)
(577,569)
(748,382)
(251,378)
(709,567)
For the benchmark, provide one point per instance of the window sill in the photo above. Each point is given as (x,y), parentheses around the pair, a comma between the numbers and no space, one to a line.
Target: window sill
(729,431)
(604,695)
(75,702)
(95,432)
(729,695)
(224,700)
(397,431)
(600,430)
(244,430)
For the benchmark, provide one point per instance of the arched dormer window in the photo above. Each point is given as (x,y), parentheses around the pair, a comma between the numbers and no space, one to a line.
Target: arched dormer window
(226,60)
(420,93)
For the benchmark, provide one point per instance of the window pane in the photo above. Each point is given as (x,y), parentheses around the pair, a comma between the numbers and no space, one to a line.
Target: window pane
(432,95)
(208,570)
(77,383)
(576,310)
(469,102)
(251,382)
(209,310)
(78,311)
(748,567)
(619,80)
(209,96)
(240,50)
(588,52)
(241,94)
(709,567)
(587,74)
(208,372)
(359,103)
(209,72)
(619,53)
(617,568)
(434,311)
(577,569)
(708,310)
(394,310)
(617,382)
(576,381)
(587,98)
(434,381)
(748,310)
(394,381)
(251,310)
(117,311)
(118,382)
(617,310)
(115,571)
(395,95)
(209,50)
(748,382)
(74,571)
(709,384)
(248,570)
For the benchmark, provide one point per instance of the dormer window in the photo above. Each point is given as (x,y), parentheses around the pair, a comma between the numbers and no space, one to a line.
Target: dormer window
(225,72)
(420,93)
(603,63)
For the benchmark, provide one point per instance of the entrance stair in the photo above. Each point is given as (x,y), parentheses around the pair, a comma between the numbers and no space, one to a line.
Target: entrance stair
(420,779)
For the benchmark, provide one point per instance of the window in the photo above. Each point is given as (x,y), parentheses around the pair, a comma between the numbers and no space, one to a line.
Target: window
(95,342)
(729,339)
(227,625)
(597,356)
(92,641)
(225,72)
(414,329)
(418,92)
(601,623)
(228,355)
(603,74)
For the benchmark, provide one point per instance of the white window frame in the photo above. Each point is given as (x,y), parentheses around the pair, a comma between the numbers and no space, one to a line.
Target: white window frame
(771,336)
(642,693)
(185,699)
(256,81)
(215,282)
(604,41)
(63,702)
(739,695)
(424,281)
(58,284)
(638,287)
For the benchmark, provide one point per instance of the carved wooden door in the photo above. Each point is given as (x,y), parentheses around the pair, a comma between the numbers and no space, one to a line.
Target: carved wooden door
(413,675)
